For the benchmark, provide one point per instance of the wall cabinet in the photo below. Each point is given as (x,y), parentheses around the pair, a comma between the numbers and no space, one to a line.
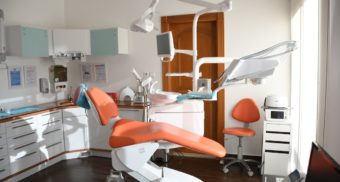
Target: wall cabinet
(71,40)
(27,41)
(76,132)
(109,42)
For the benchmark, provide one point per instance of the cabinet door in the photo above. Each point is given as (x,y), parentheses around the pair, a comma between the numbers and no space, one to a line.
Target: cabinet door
(71,40)
(109,42)
(135,114)
(76,133)
(34,42)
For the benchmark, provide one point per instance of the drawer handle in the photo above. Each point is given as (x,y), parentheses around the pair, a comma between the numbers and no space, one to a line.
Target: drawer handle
(53,145)
(2,170)
(24,146)
(276,151)
(23,135)
(28,155)
(21,120)
(56,121)
(15,127)
(2,159)
(1,148)
(278,132)
(51,131)
(273,141)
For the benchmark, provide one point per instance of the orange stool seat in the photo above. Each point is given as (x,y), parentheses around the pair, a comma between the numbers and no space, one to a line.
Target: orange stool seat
(127,132)
(238,131)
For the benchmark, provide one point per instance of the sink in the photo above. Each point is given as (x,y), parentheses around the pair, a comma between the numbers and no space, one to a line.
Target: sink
(162,97)
(19,111)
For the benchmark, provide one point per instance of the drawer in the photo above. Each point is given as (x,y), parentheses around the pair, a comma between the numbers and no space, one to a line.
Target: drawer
(278,127)
(2,138)
(277,146)
(20,129)
(4,172)
(4,160)
(52,137)
(52,150)
(277,137)
(50,117)
(3,150)
(20,151)
(50,126)
(27,160)
(276,164)
(20,122)
(19,140)
(2,128)
(74,112)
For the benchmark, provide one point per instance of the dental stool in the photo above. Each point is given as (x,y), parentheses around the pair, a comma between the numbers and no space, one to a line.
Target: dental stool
(134,142)
(245,111)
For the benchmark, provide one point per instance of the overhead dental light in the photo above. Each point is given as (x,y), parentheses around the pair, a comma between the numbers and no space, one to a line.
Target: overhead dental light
(144,23)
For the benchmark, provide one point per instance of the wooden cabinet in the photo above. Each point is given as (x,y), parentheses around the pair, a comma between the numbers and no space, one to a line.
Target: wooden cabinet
(276,150)
(27,41)
(76,133)
(71,40)
(109,42)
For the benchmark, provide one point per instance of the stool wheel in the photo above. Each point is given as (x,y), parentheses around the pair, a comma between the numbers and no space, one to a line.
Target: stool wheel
(225,170)
(250,173)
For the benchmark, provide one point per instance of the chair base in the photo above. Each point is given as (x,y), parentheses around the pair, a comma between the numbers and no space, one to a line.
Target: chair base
(244,162)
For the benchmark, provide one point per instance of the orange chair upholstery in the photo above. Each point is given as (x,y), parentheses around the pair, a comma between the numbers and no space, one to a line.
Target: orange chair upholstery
(245,111)
(127,132)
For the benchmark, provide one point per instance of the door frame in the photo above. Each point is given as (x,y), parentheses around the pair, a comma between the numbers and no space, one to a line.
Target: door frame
(219,19)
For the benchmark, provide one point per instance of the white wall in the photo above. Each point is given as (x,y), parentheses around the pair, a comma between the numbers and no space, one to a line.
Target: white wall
(252,26)
(35,13)
(332,115)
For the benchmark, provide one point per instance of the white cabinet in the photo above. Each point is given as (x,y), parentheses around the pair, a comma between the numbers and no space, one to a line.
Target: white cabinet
(76,134)
(276,151)
(50,132)
(71,40)
(4,158)
(131,113)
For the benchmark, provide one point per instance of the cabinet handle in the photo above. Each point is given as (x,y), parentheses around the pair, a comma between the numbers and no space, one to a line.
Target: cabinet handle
(273,141)
(51,131)
(56,121)
(276,151)
(53,145)
(23,135)
(15,127)
(278,132)
(24,146)
(21,120)
(1,148)
(2,170)
(28,155)
(2,159)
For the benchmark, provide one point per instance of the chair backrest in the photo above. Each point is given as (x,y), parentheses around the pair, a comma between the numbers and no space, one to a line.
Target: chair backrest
(246,111)
(105,107)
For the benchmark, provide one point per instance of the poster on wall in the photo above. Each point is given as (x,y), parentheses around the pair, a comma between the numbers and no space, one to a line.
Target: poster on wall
(30,76)
(15,77)
(100,72)
(87,72)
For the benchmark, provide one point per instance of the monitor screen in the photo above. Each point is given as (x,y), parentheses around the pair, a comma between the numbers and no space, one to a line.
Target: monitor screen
(322,167)
(165,46)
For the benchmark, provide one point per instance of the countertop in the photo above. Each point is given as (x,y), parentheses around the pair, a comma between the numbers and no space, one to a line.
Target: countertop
(62,104)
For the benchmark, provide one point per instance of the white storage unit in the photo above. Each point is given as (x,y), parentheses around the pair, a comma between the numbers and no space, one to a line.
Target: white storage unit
(75,124)
(51,135)
(4,158)
(22,139)
(71,40)
(276,150)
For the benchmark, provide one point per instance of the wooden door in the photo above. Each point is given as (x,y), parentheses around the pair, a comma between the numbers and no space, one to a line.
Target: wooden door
(210,44)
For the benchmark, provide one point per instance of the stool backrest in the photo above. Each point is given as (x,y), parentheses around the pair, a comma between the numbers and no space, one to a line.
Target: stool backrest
(246,111)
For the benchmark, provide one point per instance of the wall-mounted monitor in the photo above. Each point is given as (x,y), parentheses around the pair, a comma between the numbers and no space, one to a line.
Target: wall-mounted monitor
(165,45)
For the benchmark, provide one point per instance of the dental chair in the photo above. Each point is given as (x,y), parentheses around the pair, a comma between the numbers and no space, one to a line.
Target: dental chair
(134,142)
(245,111)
